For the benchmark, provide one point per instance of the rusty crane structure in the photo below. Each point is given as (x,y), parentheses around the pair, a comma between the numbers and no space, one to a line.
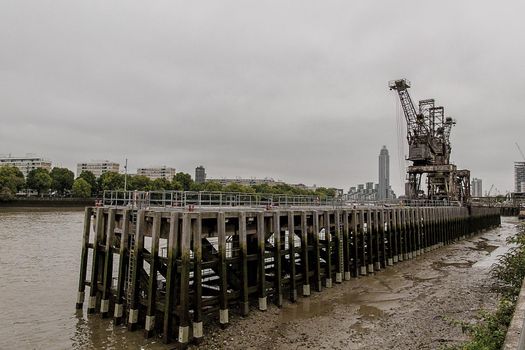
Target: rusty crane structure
(428,136)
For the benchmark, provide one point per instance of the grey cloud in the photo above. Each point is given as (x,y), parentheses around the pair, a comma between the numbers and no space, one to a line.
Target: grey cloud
(292,90)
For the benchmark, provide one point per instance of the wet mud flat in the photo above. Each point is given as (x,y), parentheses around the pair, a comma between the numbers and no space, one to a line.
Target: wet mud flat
(411,305)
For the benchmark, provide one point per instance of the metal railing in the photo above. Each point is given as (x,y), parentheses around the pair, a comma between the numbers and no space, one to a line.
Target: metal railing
(183,199)
(404,202)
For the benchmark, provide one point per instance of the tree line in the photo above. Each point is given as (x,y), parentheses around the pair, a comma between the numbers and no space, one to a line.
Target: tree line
(58,181)
(62,182)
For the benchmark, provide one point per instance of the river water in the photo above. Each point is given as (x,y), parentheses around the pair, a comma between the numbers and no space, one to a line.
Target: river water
(39,266)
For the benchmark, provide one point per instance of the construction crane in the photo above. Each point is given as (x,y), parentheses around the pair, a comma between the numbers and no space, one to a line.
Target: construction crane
(490,191)
(521,152)
(428,136)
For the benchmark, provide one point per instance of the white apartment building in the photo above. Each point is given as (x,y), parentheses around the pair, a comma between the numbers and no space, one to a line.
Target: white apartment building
(98,167)
(162,172)
(25,164)
(246,182)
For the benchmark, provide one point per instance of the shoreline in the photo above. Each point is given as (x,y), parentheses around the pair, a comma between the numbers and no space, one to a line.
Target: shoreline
(23,203)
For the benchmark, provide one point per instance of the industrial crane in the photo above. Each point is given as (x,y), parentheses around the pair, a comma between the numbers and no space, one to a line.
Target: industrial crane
(428,136)
(490,191)
(521,152)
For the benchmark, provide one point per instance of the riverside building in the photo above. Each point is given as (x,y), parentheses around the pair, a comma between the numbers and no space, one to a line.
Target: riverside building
(98,167)
(25,164)
(200,174)
(162,172)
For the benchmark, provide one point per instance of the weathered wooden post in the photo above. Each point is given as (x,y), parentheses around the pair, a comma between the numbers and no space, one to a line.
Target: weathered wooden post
(134,293)
(223,271)
(108,263)
(277,260)
(149,327)
(122,267)
(347,246)
(261,242)
(184,318)
(328,238)
(317,252)
(291,255)
(96,261)
(304,256)
(196,228)
(243,248)
(84,258)
(171,278)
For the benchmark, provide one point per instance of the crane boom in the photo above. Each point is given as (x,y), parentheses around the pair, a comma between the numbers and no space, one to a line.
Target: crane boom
(412,117)
(521,152)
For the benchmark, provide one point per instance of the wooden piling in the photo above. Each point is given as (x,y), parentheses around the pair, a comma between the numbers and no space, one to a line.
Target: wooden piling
(304,255)
(122,267)
(364,242)
(291,255)
(243,250)
(99,234)
(171,278)
(108,263)
(196,228)
(261,242)
(184,317)
(347,246)
(277,260)
(328,257)
(317,251)
(135,288)
(84,259)
(339,247)
(149,326)
(223,284)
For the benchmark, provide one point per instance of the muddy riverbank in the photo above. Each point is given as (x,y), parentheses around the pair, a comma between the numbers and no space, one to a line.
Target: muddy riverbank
(411,305)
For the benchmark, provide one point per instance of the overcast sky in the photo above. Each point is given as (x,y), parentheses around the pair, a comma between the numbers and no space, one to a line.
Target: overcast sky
(293,90)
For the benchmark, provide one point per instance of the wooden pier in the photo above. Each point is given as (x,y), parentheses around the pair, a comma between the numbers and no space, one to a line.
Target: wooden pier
(171,272)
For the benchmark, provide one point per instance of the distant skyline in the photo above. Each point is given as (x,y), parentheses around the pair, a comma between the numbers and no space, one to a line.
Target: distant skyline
(291,90)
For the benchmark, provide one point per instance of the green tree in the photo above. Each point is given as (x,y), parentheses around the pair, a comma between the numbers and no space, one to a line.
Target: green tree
(91,179)
(213,186)
(81,188)
(196,187)
(160,185)
(138,183)
(234,187)
(6,194)
(63,179)
(184,180)
(39,180)
(176,186)
(11,179)
(111,181)
(324,192)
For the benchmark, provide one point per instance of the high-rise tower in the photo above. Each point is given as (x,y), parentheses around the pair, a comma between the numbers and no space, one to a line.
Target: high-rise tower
(519,176)
(384,174)
(200,174)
